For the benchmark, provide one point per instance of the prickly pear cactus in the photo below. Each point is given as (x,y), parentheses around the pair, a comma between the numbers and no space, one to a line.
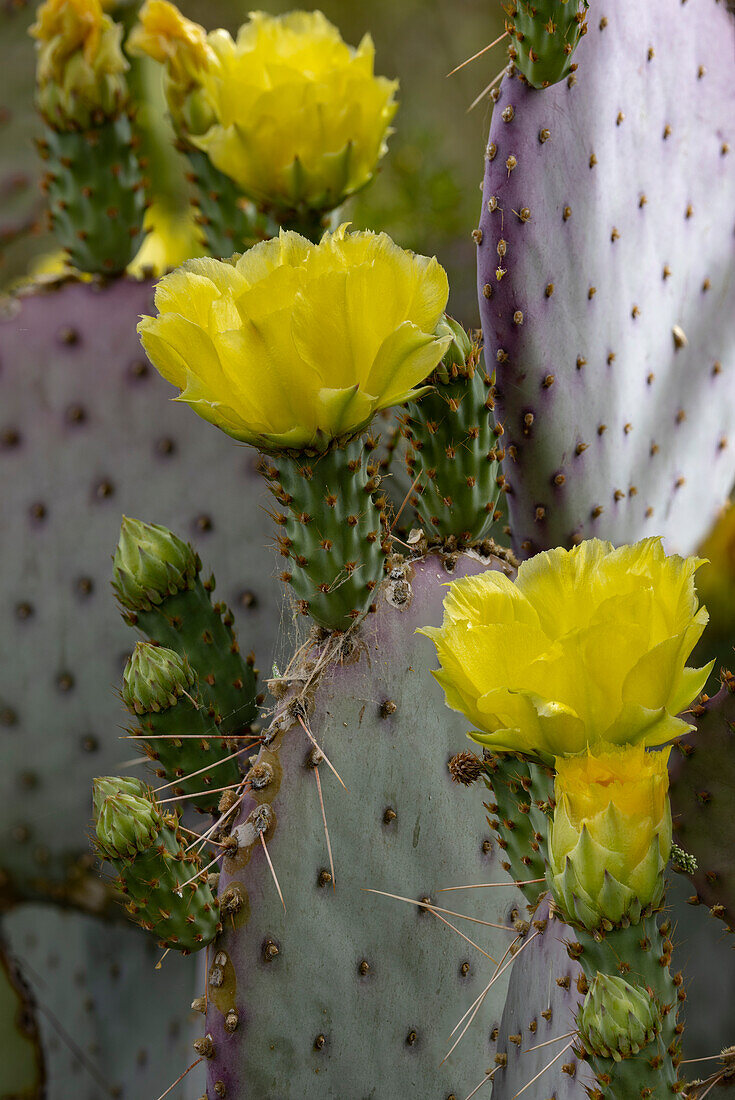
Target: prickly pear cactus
(545,991)
(379,983)
(607,281)
(87,431)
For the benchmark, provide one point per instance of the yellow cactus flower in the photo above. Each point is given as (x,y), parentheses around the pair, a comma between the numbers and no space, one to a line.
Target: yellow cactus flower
(586,645)
(610,838)
(293,344)
(80,63)
(301,120)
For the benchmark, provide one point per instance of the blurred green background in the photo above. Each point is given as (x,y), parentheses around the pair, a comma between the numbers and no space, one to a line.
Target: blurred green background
(427,193)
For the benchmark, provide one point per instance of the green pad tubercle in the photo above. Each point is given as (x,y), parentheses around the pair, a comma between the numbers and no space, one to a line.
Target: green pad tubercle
(160,689)
(545,34)
(520,789)
(332,531)
(453,443)
(230,222)
(96,194)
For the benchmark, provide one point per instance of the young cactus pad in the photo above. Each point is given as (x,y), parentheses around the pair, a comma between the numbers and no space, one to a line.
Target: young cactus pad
(347,993)
(87,432)
(607,281)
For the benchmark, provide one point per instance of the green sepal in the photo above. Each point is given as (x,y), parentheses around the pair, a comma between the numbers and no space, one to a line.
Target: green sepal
(332,530)
(96,194)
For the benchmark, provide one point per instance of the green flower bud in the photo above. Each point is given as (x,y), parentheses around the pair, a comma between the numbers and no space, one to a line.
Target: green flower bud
(151,563)
(127,819)
(617,1019)
(154,678)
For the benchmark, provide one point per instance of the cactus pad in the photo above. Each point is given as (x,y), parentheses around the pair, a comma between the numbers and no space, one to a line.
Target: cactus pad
(96,194)
(87,431)
(607,281)
(347,993)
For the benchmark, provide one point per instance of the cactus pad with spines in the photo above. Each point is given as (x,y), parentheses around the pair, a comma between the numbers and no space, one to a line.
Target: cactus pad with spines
(334,539)
(229,222)
(702,789)
(607,281)
(453,450)
(348,993)
(166,890)
(544,36)
(87,432)
(522,792)
(157,581)
(96,194)
(544,994)
(180,738)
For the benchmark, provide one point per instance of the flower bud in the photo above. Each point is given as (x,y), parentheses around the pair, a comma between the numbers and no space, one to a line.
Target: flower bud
(617,1019)
(154,678)
(80,64)
(610,838)
(150,563)
(127,819)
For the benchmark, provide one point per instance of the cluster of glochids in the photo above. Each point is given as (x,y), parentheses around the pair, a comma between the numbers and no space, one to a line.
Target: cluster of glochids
(192,699)
(250,115)
(572,721)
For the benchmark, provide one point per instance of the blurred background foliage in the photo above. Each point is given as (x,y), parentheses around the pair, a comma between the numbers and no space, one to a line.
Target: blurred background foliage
(427,192)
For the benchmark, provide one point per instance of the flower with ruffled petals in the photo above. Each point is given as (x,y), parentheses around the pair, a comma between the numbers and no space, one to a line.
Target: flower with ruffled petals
(293,345)
(586,645)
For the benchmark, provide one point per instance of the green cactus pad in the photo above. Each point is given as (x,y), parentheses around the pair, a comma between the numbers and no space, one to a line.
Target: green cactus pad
(156,578)
(545,34)
(155,873)
(160,690)
(333,533)
(230,223)
(520,792)
(96,194)
(640,953)
(453,445)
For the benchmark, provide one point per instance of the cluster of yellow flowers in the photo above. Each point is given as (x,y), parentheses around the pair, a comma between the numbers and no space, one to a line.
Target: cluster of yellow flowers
(292,114)
(581,661)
